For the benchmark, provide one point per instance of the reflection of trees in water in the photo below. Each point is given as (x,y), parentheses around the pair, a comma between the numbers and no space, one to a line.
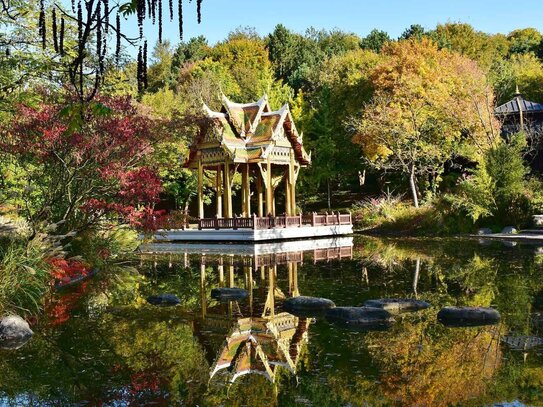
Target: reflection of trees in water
(129,351)
(426,364)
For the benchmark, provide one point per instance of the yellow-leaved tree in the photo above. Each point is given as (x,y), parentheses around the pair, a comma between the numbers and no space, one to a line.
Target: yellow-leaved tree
(428,105)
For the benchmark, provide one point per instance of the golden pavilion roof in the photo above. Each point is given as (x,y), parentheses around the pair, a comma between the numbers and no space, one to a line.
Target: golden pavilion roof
(260,346)
(247,133)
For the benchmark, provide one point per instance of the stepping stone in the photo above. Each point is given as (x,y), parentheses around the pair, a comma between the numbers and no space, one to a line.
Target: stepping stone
(468,316)
(360,318)
(522,342)
(14,332)
(164,300)
(226,294)
(509,230)
(397,304)
(307,306)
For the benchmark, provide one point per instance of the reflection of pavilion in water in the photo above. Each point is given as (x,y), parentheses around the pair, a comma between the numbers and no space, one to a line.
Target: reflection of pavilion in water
(254,336)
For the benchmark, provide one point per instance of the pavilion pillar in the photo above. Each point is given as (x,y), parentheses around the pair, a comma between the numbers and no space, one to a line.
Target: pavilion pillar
(218,188)
(248,191)
(292,183)
(288,190)
(295,291)
(260,194)
(220,268)
(203,299)
(231,272)
(249,285)
(271,291)
(270,209)
(200,189)
(245,191)
(227,204)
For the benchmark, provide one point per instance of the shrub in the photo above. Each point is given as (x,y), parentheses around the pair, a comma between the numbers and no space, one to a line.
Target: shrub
(81,164)
(498,190)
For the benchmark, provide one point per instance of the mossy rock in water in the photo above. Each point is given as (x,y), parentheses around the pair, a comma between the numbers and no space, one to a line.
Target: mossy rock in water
(468,316)
(229,294)
(164,300)
(14,332)
(307,306)
(360,318)
(397,304)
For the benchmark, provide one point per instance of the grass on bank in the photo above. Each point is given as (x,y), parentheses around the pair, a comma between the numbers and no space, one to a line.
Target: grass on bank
(24,273)
(394,216)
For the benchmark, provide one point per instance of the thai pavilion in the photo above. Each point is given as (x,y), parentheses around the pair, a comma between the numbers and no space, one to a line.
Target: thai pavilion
(263,145)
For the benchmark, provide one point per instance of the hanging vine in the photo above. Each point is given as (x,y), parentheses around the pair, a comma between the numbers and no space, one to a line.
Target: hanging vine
(92,19)
(180,14)
(41,25)
(61,44)
(55,33)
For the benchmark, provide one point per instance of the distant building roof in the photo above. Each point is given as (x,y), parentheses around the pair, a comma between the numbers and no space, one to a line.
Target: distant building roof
(518,104)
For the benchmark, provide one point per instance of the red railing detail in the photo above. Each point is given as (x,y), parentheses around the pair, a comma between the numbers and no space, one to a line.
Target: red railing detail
(281,221)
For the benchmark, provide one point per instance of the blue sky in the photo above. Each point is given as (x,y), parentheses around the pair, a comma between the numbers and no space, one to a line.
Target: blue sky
(358,16)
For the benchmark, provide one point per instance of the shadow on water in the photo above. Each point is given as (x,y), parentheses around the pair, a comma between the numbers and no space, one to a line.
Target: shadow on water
(103,343)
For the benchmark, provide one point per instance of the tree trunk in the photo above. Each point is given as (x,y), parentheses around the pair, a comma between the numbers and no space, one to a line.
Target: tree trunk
(413,184)
(416,277)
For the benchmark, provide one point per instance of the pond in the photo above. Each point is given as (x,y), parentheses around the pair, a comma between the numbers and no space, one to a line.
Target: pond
(102,343)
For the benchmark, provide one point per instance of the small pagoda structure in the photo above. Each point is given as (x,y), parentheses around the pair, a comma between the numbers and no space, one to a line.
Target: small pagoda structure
(263,145)
(521,115)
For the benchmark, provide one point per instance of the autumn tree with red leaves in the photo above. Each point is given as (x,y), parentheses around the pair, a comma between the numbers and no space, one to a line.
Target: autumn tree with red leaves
(82,168)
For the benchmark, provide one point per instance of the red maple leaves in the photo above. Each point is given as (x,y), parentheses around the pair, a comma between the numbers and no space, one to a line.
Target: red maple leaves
(87,164)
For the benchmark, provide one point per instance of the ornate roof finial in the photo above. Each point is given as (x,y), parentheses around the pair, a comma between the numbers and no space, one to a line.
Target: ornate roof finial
(517,92)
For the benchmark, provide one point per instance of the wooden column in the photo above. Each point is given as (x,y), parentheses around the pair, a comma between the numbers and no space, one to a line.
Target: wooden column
(247,191)
(218,188)
(295,291)
(200,189)
(288,190)
(271,292)
(260,194)
(227,191)
(220,268)
(203,298)
(269,191)
(231,273)
(292,183)
(249,285)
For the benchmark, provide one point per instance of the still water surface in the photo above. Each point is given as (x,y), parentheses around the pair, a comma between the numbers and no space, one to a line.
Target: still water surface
(103,344)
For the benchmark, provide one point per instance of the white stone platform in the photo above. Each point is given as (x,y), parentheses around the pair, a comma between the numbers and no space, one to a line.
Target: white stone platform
(252,249)
(251,235)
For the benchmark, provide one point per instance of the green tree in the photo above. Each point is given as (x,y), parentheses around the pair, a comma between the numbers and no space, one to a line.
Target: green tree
(522,70)
(428,105)
(375,40)
(414,31)
(497,188)
(476,45)
(524,41)
(160,71)
(344,87)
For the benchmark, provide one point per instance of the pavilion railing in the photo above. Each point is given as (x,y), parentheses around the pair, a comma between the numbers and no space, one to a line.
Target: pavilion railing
(269,222)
